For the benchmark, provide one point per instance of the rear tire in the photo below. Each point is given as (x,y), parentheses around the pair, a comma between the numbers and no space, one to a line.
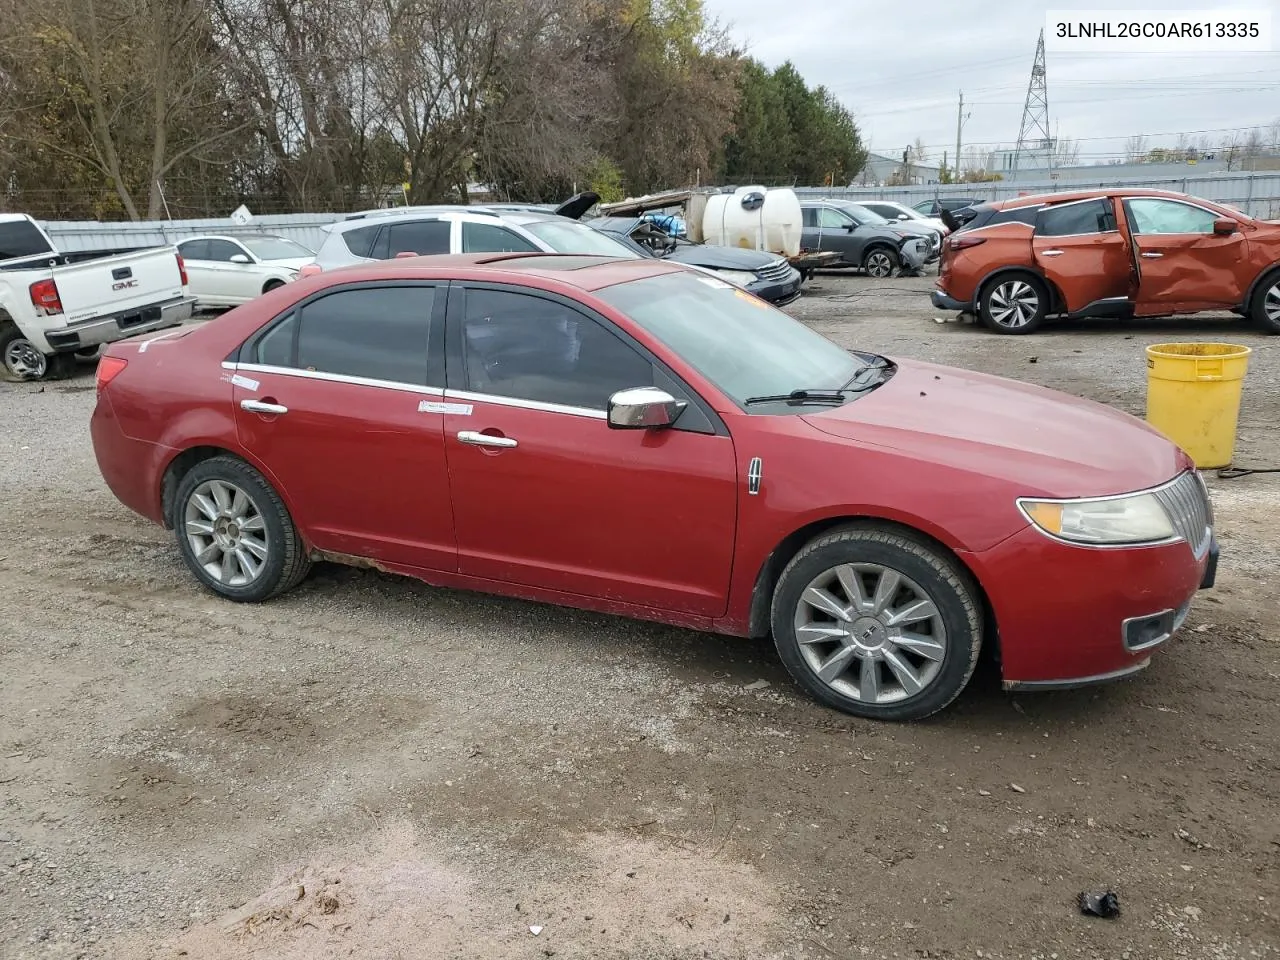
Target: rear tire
(878,623)
(235,533)
(880,262)
(1014,304)
(1264,308)
(20,359)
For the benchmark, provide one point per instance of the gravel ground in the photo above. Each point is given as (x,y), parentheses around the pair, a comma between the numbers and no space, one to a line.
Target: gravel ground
(369,767)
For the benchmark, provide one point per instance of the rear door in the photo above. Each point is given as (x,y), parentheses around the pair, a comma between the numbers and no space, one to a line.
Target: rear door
(109,286)
(341,400)
(414,238)
(1079,247)
(1184,265)
(202,278)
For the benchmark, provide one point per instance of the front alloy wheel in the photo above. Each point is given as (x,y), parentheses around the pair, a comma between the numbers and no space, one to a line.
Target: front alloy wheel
(1266,305)
(880,264)
(870,633)
(878,621)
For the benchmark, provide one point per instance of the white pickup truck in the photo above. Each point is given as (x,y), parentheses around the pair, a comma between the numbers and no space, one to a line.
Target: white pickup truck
(55,305)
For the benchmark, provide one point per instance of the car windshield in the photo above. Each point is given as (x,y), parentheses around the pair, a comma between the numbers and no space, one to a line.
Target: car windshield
(569,236)
(740,343)
(862,214)
(276,248)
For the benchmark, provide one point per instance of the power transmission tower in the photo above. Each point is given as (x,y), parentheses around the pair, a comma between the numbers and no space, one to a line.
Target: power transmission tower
(1033,134)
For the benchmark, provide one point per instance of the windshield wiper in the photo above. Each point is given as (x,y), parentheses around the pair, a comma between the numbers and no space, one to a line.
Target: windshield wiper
(823,395)
(861,379)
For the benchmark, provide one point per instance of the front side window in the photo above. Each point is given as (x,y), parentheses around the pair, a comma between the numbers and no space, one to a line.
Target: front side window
(421,237)
(738,342)
(1153,215)
(489,238)
(222,251)
(530,348)
(379,333)
(1072,219)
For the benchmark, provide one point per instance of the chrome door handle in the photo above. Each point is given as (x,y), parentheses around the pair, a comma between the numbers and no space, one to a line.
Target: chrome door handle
(478,439)
(1153,256)
(257,406)
(1050,253)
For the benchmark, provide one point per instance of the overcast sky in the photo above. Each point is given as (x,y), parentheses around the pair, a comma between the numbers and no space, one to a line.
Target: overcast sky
(898,66)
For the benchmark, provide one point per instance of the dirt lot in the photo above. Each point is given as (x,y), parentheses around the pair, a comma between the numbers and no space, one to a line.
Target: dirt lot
(372,768)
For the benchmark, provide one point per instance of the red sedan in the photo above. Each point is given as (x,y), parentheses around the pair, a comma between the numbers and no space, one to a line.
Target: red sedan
(640,439)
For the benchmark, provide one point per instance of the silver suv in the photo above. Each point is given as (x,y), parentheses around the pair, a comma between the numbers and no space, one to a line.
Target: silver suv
(423,231)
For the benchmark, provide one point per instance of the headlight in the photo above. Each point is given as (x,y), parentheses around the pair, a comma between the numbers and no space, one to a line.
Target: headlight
(739,278)
(1133,519)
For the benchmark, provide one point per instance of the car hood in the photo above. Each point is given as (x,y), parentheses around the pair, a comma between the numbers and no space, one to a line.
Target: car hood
(1051,443)
(720,258)
(914,227)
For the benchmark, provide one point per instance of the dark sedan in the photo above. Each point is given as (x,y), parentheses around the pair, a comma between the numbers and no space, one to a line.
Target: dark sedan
(767,275)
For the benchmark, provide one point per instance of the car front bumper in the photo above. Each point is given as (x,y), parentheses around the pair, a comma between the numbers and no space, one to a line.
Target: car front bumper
(100,330)
(1068,616)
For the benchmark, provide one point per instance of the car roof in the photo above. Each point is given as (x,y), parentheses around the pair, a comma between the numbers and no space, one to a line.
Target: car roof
(509,215)
(1067,196)
(585,272)
(232,238)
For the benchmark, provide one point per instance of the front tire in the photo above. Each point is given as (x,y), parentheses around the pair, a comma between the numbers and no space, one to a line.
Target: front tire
(877,623)
(234,532)
(1264,309)
(880,262)
(1014,304)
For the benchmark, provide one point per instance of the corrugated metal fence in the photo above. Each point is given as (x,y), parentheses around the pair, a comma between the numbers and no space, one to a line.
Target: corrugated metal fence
(74,235)
(1257,194)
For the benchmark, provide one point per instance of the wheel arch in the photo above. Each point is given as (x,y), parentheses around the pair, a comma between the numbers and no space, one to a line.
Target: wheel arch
(1057,302)
(196,453)
(878,244)
(272,283)
(770,572)
(1265,274)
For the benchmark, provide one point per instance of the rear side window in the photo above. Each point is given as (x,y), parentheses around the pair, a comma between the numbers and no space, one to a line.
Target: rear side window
(423,237)
(21,238)
(1070,219)
(360,242)
(194,250)
(1025,215)
(379,333)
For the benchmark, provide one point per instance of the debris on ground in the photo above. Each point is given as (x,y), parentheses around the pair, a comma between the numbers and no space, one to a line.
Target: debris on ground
(1105,905)
(758,685)
(535,930)
(1017,789)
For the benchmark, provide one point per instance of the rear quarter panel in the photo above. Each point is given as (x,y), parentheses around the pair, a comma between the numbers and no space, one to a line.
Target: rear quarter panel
(1004,245)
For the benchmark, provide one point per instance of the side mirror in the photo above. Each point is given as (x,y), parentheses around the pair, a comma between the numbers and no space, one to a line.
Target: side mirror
(643,408)
(1224,226)
(240,258)
(850,227)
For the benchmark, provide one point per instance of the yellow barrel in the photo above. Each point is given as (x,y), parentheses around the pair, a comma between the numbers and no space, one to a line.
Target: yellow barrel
(1193,397)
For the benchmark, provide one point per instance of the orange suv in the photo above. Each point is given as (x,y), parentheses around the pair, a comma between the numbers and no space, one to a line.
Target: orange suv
(1109,253)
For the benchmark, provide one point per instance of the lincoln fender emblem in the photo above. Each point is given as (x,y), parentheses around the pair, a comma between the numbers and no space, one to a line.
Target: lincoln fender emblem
(753,475)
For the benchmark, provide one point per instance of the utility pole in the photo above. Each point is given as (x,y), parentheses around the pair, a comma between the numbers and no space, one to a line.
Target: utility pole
(959,125)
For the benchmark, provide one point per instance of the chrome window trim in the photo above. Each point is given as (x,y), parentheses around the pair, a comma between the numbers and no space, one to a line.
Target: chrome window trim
(333,378)
(1150,491)
(538,405)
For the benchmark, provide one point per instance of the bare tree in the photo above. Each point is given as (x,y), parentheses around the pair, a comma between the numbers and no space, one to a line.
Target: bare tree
(1135,149)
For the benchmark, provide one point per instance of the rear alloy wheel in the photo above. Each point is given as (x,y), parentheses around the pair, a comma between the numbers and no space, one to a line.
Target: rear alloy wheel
(234,532)
(1265,309)
(1014,305)
(880,262)
(20,359)
(877,623)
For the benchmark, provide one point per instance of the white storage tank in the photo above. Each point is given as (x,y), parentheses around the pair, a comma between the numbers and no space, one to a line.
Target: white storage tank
(756,218)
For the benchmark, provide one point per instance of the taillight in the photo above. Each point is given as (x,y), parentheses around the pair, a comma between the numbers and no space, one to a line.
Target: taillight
(44,297)
(963,243)
(182,269)
(108,369)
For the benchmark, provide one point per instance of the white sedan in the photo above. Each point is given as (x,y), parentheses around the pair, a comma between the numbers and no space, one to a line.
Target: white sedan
(227,271)
(894,211)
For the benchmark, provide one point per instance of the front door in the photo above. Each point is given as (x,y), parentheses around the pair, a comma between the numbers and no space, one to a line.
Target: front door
(341,401)
(1184,265)
(545,494)
(1079,247)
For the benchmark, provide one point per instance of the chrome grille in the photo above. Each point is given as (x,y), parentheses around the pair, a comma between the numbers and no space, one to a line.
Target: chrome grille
(1187,503)
(779,271)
